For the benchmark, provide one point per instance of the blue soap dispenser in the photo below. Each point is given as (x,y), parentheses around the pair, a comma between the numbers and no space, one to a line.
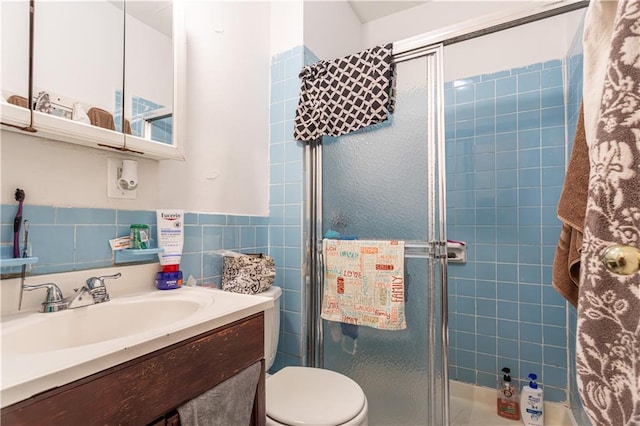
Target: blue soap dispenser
(531,403)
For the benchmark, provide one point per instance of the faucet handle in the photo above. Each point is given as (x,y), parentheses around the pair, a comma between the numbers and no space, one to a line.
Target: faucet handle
(53,301)
(98,289)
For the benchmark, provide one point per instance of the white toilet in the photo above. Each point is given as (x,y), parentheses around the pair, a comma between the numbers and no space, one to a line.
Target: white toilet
(305,396)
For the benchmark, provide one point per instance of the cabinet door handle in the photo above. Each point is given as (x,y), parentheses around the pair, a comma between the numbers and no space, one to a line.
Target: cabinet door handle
(621,259)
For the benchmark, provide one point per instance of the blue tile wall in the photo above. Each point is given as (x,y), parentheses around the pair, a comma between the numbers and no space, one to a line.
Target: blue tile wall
(71,239)
(505,153)
(286,204)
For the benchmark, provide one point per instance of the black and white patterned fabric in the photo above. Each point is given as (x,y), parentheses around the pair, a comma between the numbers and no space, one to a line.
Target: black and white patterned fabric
(344,95)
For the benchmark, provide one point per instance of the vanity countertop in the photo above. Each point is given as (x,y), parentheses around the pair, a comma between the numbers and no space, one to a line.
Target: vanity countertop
(41,351)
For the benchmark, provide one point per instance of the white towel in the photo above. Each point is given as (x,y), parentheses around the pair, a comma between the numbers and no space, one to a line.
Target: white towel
(364,283)
(596,41)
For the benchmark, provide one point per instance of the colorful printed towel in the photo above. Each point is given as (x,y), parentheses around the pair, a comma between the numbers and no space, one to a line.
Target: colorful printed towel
(346,94)
(364,283)
(608,336)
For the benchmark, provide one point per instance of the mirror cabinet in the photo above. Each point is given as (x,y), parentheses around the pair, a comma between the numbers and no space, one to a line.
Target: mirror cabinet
(105,73)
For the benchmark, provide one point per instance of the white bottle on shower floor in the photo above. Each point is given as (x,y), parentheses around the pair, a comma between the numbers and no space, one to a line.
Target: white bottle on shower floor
(531,403)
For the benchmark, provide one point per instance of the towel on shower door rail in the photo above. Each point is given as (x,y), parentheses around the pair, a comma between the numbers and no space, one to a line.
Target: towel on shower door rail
(346,94)
(572,208)
(364,283)
(608,341)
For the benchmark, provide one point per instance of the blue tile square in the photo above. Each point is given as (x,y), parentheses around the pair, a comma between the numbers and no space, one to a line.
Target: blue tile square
(192,238)
(553,156)
(486,344)
(506,104)
(529,158)
(466,341)
(465,129)
(529,255)
(529,235)
(529,101)
(92,242)
(485,108)
(529,216)
(466,305)
(508,235)
(36,215)
(554,315)
(506,86)
(212,238)
(553,116)
(247,237)
(485,90)
(507,198)
(486,307)
(276,153)
(530,274)
(555,356)
(486,289)
(552,97)
(508,348)
(465,111)
(552,175)
(506,141)
(449,96)
(129,217)
(528,139)
(466,323)
(507,329)
(465,93)
(231,237)
(529,81)
(276,194)
(506,123)
(530,313)
(553,136)
(277,173)
(554,336)
(531,352)
(528,178)
(529,120)
(507,272)
(551,77)
(53,244)
(507,254)
(507,216)
(212,219)
(508,292)
(529,197)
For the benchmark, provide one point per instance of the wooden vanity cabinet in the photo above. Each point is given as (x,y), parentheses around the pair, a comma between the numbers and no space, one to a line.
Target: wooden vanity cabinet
(148,389)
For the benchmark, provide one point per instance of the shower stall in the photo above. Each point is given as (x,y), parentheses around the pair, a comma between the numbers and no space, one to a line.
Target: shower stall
(391,181)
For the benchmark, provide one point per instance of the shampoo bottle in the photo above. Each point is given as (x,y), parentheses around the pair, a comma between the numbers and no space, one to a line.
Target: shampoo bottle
(531,403)
(507,398)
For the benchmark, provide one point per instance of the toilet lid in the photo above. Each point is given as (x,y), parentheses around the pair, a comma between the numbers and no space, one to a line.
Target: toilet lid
(302,396)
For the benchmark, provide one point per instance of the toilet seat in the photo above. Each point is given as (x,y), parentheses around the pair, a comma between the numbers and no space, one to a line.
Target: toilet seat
(302,396)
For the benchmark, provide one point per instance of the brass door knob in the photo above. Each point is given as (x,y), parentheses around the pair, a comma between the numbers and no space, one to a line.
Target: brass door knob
(621,260)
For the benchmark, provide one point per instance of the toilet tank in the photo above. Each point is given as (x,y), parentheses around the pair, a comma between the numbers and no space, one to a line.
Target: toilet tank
(271,325)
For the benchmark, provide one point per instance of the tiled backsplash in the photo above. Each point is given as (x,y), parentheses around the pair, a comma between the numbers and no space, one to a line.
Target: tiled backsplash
(505,156)
(69,239)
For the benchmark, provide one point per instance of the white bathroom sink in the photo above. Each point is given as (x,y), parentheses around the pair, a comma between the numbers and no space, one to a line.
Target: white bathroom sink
(44,350)
(98,323)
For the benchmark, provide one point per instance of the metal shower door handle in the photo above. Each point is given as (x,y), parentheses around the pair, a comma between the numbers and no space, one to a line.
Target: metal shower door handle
(621,259)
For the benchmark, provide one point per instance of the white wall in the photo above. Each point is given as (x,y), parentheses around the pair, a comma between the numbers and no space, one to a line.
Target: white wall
(226,147)
(523,45)
(227,119)
(332,29)
(286,25)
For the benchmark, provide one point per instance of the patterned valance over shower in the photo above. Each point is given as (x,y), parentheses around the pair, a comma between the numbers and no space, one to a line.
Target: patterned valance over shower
(346,94)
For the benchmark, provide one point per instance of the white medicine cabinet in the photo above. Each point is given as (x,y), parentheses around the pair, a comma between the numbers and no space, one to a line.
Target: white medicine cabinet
(107,74)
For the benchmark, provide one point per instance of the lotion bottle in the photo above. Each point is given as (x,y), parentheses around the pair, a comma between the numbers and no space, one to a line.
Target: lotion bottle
(531,403)
(507,397)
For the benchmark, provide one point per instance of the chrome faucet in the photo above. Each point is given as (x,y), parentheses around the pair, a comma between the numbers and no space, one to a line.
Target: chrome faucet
(53,301)
(93,292)
(98,290)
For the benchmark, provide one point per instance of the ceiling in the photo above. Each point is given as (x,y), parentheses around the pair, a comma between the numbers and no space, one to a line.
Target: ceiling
(371,10)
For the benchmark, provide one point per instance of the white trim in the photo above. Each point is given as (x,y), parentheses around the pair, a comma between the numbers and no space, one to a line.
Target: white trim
(477,24)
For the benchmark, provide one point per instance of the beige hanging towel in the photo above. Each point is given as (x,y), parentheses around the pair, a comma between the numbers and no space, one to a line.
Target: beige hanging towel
(608,337)
(364,283)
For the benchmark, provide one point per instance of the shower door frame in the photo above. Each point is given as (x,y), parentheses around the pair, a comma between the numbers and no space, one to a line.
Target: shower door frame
(434,249)
(431,43)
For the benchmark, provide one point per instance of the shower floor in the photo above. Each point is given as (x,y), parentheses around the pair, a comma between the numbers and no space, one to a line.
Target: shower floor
(482,409)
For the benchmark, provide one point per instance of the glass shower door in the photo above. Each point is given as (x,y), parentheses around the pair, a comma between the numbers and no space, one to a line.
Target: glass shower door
(378,184)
